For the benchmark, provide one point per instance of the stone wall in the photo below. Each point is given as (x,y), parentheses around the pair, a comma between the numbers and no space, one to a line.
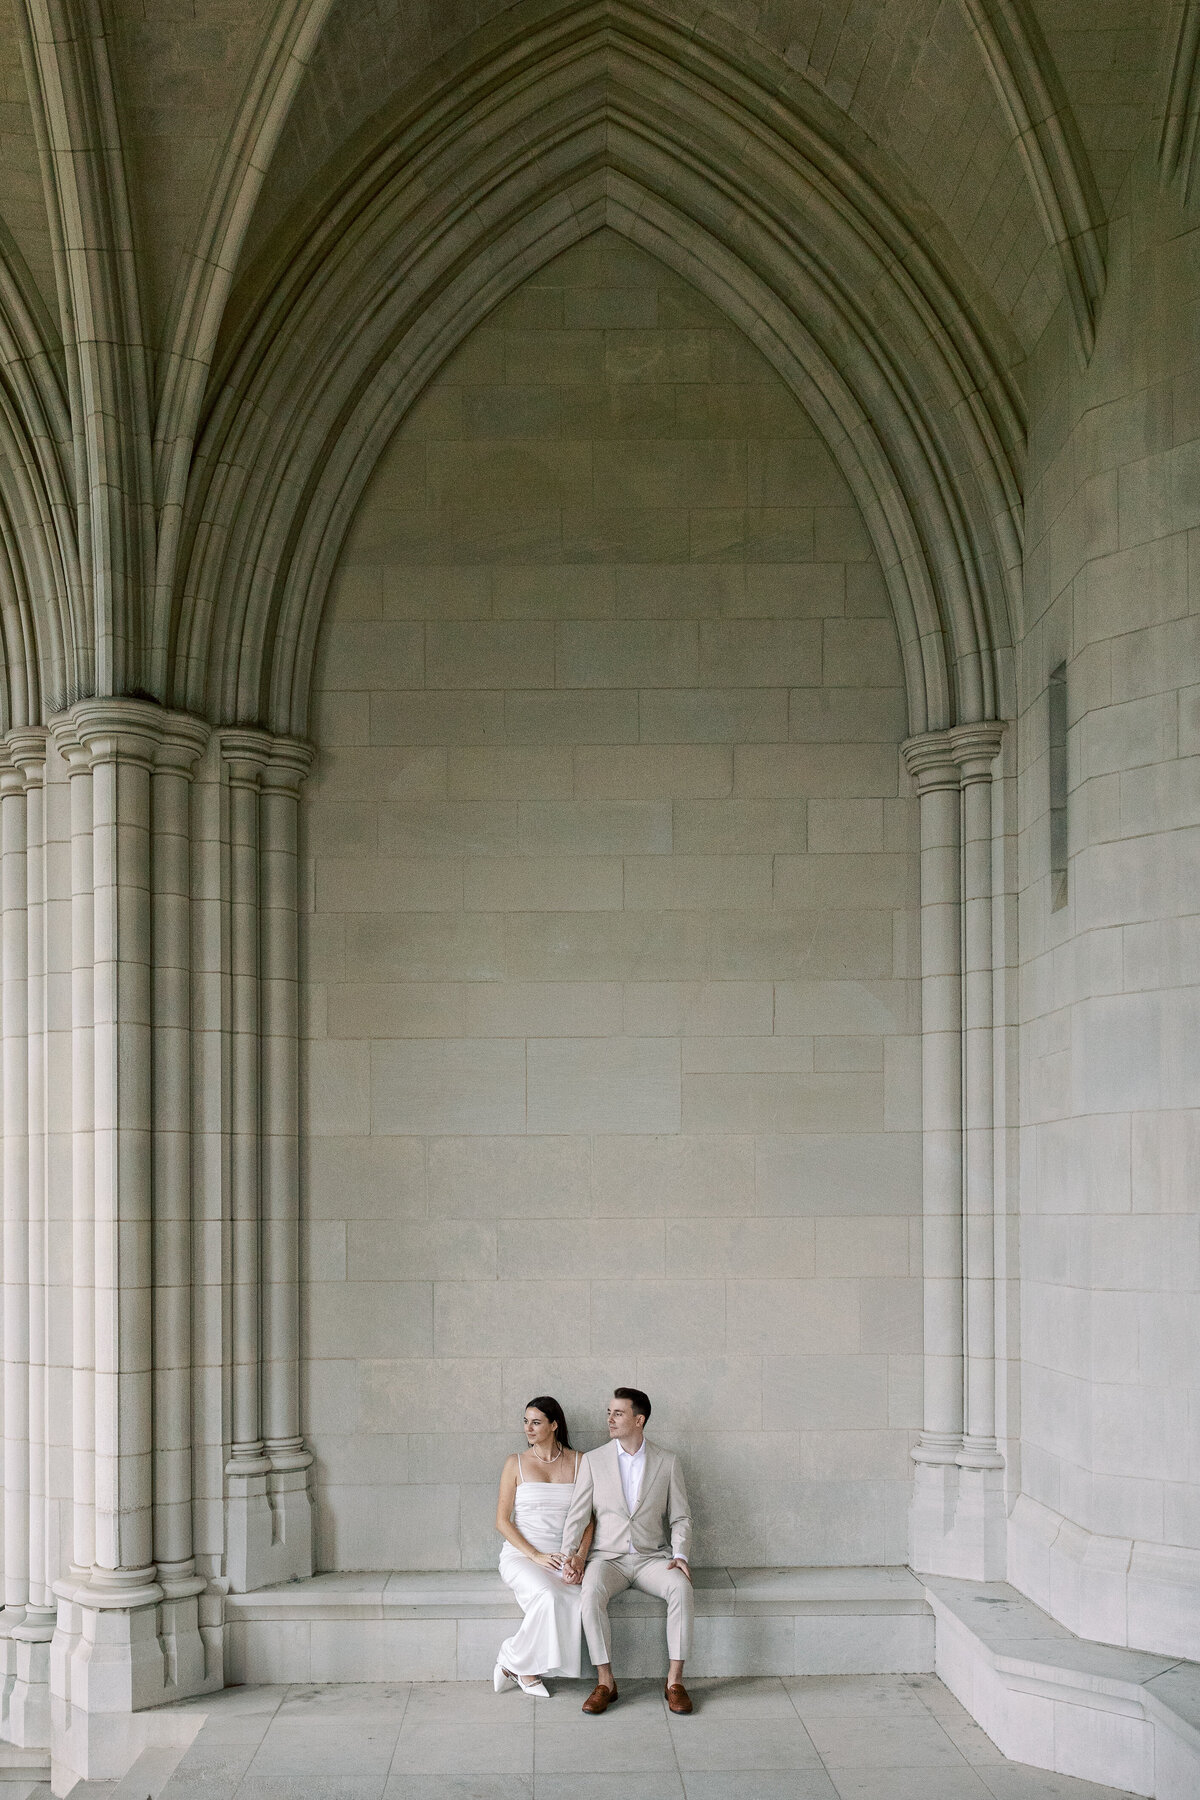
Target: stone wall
(612,1069)
(1109,1534)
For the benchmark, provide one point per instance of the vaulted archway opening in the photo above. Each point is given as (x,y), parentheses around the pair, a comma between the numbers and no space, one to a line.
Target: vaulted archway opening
(613,1073)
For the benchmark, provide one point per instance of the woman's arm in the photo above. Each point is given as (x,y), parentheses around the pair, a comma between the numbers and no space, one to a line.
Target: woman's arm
(504,1523)
(579,1511)
(572,1566)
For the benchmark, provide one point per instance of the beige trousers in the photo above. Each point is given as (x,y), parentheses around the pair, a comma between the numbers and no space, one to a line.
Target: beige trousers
(604,1576)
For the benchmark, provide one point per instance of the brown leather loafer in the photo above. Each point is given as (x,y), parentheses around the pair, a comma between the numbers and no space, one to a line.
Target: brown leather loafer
(600,1699)
(678,1698)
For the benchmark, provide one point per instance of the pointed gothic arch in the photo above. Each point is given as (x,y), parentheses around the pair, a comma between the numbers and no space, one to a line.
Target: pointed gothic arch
(606,118)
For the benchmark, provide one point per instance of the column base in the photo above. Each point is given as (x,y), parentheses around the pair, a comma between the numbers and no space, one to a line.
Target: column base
(268,1525)
(110,1662)
(27,1714)
(958,1520)
(193,1657)
(10,1617)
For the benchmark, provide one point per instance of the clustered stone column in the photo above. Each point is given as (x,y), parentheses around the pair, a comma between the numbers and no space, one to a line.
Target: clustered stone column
(269,1518)
(109,1606)
(27,1622)
(127,1630)
(958,1511)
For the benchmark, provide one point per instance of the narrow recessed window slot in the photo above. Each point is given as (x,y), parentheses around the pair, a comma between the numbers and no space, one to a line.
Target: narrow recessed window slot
(1058,787)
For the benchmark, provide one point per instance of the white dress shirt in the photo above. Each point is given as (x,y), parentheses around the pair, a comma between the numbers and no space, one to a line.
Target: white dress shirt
(632,1465)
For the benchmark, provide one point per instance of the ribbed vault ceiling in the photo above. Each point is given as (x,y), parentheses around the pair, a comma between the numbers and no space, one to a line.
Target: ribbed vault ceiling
(180,72)
(919,185)
(905,80)
(907,75)
(906,87)
(604,116)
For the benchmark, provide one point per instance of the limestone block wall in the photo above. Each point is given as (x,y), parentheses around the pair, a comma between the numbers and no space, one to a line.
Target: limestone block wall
(612,1068)
(1108,1535)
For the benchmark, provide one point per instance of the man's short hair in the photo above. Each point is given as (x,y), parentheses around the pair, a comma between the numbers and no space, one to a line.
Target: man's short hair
(640,1402)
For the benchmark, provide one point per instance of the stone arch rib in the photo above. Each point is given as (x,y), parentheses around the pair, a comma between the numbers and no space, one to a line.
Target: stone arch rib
(65,50)
(203,289)
(1056,162)
(43,623)
(1179,140)
(632,126)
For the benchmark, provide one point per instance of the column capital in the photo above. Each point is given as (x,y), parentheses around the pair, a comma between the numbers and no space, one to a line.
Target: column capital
(247,751)
(930,761)
(976,747)
(183,742)
(12,776)
(26,749)
(291,759)
(255,755)
(136,731)
(74,754)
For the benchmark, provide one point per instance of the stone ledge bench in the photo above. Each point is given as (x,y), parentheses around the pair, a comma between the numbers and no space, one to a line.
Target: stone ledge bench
(448,1626)
(1124,1718)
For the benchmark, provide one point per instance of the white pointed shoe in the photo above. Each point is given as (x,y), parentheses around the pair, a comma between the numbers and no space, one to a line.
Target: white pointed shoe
(501,1678)
(535,1689)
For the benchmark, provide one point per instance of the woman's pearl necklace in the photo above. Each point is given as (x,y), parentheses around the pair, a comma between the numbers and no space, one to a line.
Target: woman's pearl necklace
(548,1459)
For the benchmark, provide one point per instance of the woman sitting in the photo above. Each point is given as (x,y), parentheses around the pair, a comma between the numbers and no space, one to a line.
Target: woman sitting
(535,1491)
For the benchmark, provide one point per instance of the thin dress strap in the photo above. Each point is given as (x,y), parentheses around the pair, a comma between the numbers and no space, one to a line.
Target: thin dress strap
(520,1471)
(575,1476)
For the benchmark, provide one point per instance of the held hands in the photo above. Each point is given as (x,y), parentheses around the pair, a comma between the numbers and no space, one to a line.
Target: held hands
(569,1567)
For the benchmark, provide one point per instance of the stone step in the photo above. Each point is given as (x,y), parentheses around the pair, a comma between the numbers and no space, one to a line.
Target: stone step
(447,1625)
(1124,1718)
(24,1774)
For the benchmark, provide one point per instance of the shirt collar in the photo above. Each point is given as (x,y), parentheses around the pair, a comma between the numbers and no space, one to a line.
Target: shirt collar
(632,1455)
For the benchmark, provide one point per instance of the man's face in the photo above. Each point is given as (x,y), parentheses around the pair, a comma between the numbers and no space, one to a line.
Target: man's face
(623,1422)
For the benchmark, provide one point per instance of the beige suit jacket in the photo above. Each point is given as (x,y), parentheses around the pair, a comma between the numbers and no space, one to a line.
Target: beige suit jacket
(660,1521)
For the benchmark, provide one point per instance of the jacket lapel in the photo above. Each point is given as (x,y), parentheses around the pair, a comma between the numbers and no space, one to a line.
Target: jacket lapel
(649,1474)
(612,1467)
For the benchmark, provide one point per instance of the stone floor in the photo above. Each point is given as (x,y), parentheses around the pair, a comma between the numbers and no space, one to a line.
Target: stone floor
(807,1738)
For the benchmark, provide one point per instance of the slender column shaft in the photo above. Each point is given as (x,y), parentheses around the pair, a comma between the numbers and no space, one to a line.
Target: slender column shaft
(211,1323)
(246,754)
(278,820)
(268,1520)
(171,905)
(83,1220)
(28,749)
(931,763)
(59,1197)
(27,1720)
(13,954)
(975,748)
(122,747)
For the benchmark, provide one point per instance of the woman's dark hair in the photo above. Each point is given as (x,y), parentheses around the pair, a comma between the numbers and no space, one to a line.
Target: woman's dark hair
(640,1402)
(548,1405)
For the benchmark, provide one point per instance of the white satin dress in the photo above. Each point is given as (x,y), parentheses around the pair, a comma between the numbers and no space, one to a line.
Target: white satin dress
(548,1640)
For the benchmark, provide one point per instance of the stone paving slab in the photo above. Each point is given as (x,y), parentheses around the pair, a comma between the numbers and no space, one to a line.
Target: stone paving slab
(818,1738)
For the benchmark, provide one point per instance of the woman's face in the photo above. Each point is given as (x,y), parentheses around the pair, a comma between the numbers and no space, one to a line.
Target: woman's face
(540,1434)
